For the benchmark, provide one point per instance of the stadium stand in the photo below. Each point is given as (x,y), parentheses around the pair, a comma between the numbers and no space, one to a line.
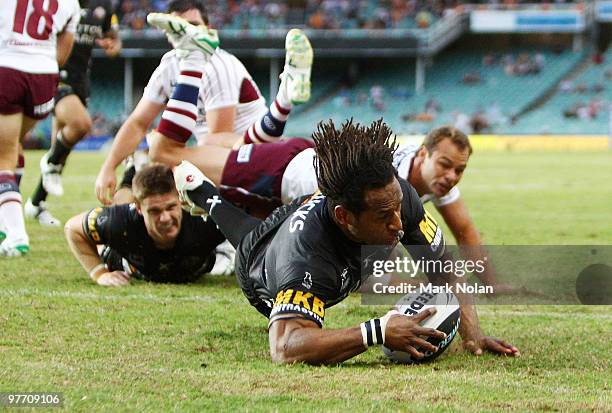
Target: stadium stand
(458,83)
(579,104)
(467,87)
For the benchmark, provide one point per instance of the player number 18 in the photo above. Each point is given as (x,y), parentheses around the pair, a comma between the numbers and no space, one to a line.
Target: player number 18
(34,28)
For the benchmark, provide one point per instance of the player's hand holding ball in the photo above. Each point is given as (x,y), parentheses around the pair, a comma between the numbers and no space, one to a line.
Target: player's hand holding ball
(404,333)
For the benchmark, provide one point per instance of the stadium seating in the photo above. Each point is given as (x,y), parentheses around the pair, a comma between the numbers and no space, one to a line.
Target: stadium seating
(511,94)
(549,117)
(107,98)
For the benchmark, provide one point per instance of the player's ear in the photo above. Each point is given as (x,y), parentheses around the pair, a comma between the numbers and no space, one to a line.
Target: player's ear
(138,207)
(422,153)
(343,216)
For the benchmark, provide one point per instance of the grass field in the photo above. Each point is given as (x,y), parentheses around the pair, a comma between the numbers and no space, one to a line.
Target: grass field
(201,347)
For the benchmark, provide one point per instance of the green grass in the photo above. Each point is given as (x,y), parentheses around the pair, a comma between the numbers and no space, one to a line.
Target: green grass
(201,347)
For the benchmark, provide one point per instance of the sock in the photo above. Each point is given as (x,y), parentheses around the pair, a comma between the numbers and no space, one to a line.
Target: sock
(271,126)
(179,118)
(39,194)
(10,209)
(20,169)
(281,96)
(234,223)
(59,151)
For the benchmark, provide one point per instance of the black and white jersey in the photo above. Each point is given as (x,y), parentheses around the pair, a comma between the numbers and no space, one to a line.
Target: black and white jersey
(298,261)
(122,228)
(97,19)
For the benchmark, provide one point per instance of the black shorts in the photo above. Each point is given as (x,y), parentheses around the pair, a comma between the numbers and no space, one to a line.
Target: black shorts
(73,85)
(251,250)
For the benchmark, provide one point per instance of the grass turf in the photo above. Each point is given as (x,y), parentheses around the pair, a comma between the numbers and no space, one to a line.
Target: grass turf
(201,347)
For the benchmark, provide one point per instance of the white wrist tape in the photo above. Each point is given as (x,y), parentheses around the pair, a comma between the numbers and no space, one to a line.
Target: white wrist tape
(95,272)
(373,331)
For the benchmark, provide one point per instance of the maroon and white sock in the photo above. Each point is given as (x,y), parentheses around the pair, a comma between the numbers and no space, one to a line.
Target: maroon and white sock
(271,126)
(179,118)
(11,213)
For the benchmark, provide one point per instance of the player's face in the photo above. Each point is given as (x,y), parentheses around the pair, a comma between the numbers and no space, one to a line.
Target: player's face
(193,16)
(443,168)
(380,223)
(162,216)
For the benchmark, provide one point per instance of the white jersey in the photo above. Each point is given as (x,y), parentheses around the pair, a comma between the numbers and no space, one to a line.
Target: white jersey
(402,161)
(225,82)
(29,29)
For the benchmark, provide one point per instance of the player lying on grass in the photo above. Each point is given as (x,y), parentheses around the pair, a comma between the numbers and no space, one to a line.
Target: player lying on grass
(151,239)
(307,257)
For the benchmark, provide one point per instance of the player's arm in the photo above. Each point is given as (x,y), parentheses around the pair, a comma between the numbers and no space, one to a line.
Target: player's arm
(472,336)
(85,251)
(424,240)
(128,137)
(298,314)
(65,40)
(110,42)
(301,340)
(456,216)
(465,232)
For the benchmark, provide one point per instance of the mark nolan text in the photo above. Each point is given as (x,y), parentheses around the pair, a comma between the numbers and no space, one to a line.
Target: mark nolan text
(407,288)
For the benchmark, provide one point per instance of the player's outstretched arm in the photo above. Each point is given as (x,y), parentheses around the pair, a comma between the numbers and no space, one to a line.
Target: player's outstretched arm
(65,40)
(129,136)
(472,336)
(86,253)
(300,340)
(467,235)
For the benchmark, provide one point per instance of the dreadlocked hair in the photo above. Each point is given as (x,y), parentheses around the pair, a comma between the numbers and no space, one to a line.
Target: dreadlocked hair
(352,160)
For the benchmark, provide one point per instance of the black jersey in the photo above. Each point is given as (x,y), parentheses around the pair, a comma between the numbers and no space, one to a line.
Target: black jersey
(123,229)
(298,261)
(97,19)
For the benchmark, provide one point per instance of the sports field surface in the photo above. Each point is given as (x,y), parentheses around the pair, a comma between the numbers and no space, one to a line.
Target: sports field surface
(201,347)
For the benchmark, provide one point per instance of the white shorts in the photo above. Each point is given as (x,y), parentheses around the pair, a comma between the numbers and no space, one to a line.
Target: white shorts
(299,178)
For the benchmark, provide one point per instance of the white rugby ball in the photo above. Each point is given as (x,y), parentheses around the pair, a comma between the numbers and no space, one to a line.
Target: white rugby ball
(446,319)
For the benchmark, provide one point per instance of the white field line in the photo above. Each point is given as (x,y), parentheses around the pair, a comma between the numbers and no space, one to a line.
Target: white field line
(553,314)
(26,292)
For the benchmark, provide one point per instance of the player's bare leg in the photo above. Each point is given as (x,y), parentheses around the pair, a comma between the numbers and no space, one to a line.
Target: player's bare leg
(209,159)
(13,128)
(71,123)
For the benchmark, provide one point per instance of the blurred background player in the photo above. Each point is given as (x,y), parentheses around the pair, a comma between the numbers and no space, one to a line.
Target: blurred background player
(151,239)
(71,121)
(36,37)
